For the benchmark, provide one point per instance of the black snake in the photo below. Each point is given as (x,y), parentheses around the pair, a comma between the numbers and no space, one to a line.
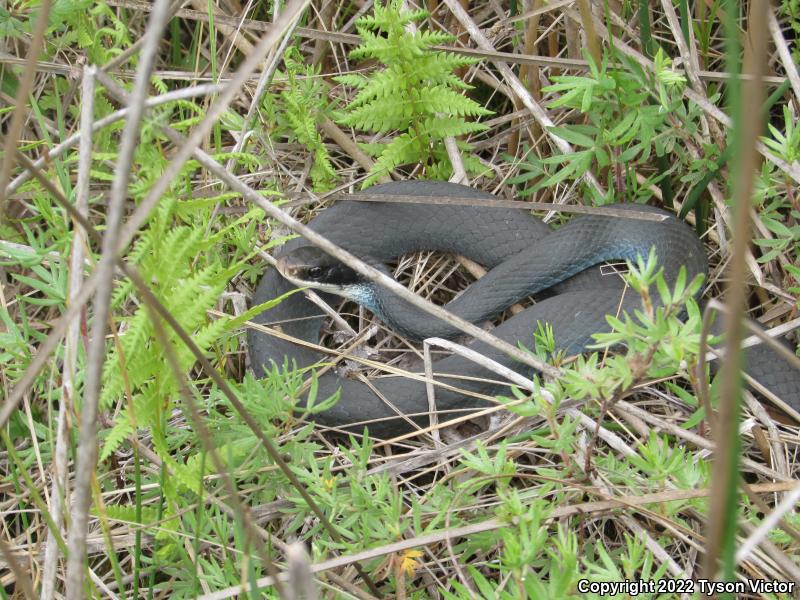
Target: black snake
(525,257)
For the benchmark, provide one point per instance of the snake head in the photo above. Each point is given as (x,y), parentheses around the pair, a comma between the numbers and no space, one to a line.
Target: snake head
(309,266)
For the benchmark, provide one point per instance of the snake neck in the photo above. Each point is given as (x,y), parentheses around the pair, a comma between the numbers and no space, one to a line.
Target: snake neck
(366,295)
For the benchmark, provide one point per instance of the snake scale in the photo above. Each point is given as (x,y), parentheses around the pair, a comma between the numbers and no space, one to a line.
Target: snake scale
(525,257)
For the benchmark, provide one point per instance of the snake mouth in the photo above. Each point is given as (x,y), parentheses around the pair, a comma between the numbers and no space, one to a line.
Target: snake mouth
(288,268)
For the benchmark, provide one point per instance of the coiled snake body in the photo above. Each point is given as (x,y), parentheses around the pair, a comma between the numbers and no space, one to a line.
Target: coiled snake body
(525,257)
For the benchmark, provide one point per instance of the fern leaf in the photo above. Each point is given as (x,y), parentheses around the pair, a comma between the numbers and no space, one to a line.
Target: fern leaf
(439,99)
(402,150)
(135,351)
(381,117)
(118,434)
(187,477)
(434,38)
(390,83)
(122,291)
(355,80)
(199,291)
(438,68)
(204,337)
(128,513)
(181,245)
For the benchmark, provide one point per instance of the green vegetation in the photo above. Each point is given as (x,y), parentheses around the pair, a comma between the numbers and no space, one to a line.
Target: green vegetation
(516,514)
(416,94)
(632,116)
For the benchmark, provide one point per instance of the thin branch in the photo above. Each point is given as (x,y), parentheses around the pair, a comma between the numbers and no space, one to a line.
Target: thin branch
(785,54)
(87,443)
(21,107)
(58,489)
(56,151)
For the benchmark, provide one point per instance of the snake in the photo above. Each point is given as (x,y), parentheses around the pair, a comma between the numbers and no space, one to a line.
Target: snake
(561,269)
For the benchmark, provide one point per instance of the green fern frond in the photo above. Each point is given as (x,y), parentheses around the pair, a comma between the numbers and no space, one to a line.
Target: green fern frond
(206,335)
(188,477)
(402,150)
(429,39)
(355,80)
(129,514)
(203,337)
(119,433)
(374,46)
(140,248)
(175,261)
(122,291)
(438,67)
(321,168)
(305,103)
(390,15)
(380,118)
(372,148)
(439,99)
(389,83)
(201,288)
(135,352)
(180,245)
(416,94)
(163,218)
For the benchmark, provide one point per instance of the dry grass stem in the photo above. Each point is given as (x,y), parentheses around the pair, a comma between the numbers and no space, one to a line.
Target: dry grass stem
(87,443)
(20,113)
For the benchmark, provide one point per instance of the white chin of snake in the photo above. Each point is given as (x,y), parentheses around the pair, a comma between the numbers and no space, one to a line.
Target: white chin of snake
(359,293)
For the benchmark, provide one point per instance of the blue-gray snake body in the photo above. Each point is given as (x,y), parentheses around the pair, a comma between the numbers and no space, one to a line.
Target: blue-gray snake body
(524,256)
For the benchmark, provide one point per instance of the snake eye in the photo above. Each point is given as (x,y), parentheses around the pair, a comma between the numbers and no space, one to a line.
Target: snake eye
(315,272)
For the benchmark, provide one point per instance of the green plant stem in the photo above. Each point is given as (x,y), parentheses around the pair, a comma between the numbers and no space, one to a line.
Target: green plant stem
(723,509)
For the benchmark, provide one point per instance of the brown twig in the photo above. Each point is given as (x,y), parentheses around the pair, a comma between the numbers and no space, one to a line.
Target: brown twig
(59,490)
(726,454)
(20,108)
